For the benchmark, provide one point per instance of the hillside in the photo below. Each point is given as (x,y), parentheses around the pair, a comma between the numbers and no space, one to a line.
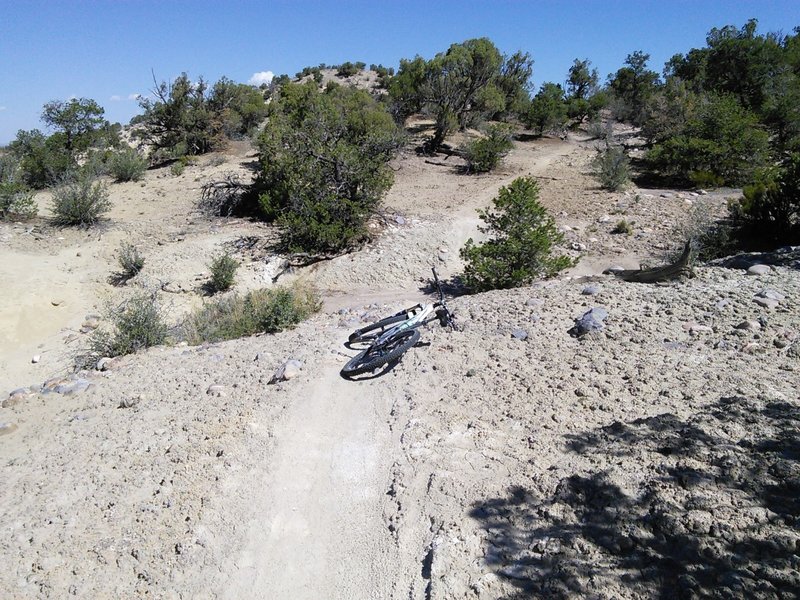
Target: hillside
(656,457)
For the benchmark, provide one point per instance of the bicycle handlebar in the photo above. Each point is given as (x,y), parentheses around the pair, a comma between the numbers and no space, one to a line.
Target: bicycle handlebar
(438,285)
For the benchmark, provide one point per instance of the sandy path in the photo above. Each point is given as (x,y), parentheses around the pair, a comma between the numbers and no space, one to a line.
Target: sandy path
(318,528)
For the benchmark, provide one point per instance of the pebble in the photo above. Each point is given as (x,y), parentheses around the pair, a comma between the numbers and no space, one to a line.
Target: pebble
(577,246)
(766,302)
(16,397)
(749,325)
(695,329)
(400,220)
(759,270)
(534,302)
(91,322)
(591,320)
(288,370)
(591,290)
(66,385)
(216,390)
(519,334)
(770,294)
(57,302)
(105,364)
(36,358)
(130,402)
(6,428)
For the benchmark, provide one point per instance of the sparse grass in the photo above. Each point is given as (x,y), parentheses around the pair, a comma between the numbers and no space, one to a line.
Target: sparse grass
(81,203)
(267,311)
(623,227)
(223,273)
(177,168)
(613,168)
(130,262)
(128,165)
(137,323)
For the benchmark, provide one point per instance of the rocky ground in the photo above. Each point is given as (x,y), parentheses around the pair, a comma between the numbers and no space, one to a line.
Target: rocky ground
(655,457)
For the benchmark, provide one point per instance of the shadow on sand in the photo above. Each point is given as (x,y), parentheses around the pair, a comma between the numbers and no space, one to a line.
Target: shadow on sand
(714,514)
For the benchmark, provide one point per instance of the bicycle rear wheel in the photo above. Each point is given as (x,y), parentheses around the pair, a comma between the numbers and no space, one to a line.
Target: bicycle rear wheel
(375,330)
(372,358)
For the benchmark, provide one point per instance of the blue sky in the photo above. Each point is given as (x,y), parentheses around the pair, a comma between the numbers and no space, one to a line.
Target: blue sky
(105,49)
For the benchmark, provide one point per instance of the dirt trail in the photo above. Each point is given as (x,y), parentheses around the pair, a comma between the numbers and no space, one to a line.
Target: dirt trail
(318,528)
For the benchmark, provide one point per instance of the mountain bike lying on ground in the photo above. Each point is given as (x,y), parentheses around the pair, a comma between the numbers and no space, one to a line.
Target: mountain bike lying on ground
(389,338)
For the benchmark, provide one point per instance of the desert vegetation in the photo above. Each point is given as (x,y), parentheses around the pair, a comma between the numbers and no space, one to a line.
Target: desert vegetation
(521,239)
(650,452)
(258,311)
(324,165)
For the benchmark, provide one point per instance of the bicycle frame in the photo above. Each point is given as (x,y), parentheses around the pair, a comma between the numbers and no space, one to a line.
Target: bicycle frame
(413,320)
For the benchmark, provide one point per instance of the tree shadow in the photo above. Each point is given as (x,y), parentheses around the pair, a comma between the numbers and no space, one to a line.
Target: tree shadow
(714,511)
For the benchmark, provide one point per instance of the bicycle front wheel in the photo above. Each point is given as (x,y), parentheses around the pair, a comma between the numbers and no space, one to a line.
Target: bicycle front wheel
(372,358)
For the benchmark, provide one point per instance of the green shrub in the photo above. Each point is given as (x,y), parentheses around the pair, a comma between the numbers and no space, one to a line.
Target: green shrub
(266,311)
(613,168)
(324,165)
(349,69)
(127,165)
(223,273)
(547,111)
(16,201)
(80,132)
(769,210)
(711,237)
(622,227)
(518,251)
(177,168)
(81,202)
(721,142)
(706,179)
(130,261)
(484,154)
(136,324)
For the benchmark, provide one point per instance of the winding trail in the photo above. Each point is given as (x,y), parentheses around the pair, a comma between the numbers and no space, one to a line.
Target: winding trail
(318,528)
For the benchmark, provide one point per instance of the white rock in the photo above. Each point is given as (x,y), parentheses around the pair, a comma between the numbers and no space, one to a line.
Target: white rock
(759,270)
(288,370)
(36,358)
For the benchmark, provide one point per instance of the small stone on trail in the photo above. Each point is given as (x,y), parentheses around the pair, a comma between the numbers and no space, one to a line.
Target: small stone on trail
(6,428)
(91,322)
(759,270)
(130,402)
(400,220)
(519,334)
(750,325)
(591,320)
(471,373)
(766,302)
(216,390)
(36,358)
(695,329)
(288,370)
(57,302)
(591,290)
(105,364)
(771,294)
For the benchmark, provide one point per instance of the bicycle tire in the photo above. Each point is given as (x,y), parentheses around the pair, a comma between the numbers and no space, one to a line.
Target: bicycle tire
(384,324)
(372,358)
